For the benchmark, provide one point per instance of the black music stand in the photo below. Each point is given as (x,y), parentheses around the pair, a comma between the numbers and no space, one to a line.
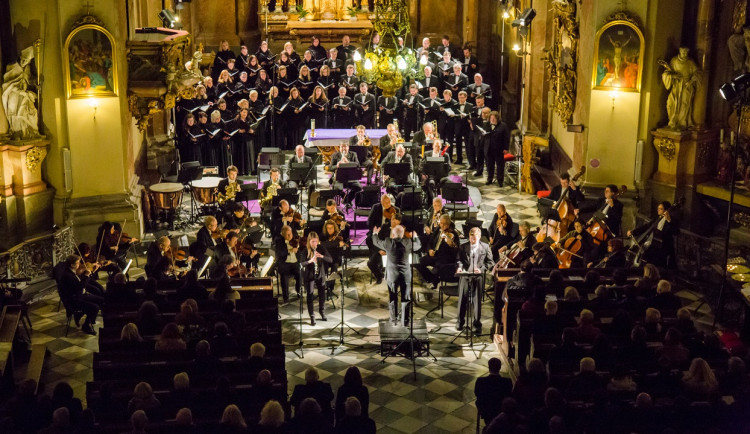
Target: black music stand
(301,174)
(191,171)
(332,246)
(435,167)
(289,194)
(399,172)
(347,172)
(268,159)
(476,279)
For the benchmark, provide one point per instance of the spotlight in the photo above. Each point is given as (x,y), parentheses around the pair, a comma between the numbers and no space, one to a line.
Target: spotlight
(168,19)
(524,21)
(731,90)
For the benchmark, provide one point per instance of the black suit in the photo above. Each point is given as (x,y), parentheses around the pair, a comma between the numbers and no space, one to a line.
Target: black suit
(661,252)
(398,272)
(286,269)
(343,112)
(497,141)
(375,219)
(402,180)
(490,392)
(469,68)
(157,264)
(277,223)
(482,260)
(313,279)
(613,214)
(463,131)
(71,289)
(364,108)
(445,255)
(484,89)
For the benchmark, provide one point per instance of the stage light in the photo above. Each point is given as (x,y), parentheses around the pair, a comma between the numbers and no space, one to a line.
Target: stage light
(732,89)
(527,17)
(168,19)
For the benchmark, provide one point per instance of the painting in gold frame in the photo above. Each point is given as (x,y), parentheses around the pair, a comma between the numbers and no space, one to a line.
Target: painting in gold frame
(89,63)
(618,57)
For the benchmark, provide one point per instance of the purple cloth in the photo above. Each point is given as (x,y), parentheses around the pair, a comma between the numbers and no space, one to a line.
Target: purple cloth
(334,137)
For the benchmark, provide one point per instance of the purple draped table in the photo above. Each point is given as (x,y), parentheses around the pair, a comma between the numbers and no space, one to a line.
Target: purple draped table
(327,140)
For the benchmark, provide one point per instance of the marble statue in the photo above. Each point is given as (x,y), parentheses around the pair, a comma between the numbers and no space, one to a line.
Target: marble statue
(18,100)
(738,48)
(681,77)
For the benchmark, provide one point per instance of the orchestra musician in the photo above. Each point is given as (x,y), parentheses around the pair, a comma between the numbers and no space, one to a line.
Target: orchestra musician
(500,229)
(397,248)
(573,194)
(616,256)
(524,239)
(314,259)
(94,264)
(228,187)
(661,251)
(380,216)
(299,157)
(433,223)
(205,238)
(72,282)
(226,248)
(474,256)
(112,243)
(421,137)
(410,107)
(334,214)
(388,142)
(543,256)
(158,261)
(344,155)
(364,105)
(238,219)
(361,139)
(587,250)
(337,241)
(443,248)
(398,156)
(285,250)
(428,180)
(611,208)
(284,216)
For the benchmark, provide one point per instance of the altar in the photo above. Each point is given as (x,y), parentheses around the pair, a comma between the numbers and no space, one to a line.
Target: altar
(327,140)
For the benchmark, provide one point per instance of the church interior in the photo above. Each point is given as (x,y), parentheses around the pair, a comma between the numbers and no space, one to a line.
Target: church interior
(514,216)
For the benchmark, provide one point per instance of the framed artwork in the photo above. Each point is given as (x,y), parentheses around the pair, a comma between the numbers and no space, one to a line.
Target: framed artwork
(88,61)
(618,57)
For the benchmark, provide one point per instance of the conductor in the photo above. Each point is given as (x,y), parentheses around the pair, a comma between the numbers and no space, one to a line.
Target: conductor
(474,256)
(398,270)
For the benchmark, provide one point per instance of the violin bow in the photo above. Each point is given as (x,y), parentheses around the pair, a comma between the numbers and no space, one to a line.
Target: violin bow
(122,229)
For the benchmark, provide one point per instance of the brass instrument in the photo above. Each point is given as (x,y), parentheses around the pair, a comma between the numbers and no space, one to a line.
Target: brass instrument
(230,192)
(375,152)
(272,191)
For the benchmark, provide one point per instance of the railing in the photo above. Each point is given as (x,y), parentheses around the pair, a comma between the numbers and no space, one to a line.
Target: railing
(34,258)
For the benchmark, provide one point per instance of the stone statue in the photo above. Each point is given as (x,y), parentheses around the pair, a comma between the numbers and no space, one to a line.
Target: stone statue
(681,77)
(18,100)
(738,48)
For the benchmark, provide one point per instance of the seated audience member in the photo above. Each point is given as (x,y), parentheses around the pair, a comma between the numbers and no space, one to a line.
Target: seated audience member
(224,291)
(184,421)
(205,367)
(531,385)
(309,418)
(586,383)
(354,421)
(130,337)
(138,422)
(652,324)
(621,325)
(256,362)
(735,382)
(533,307)
(621,381)
(224,393)
(223,344)
(685,322)
(590,281)
(566,352)
(556,283)
(62,396)
(352,386)
(181,394)
(314,388)
(60,422)
(571,301)
(665,383)
(232,421)
(143,399)
(235,320)
(525,280)
(148,320)
(151,293)
(509,420)
(271,419)
(603,353)
(673,350)
(87,423)
(549,323)
(491,390)
(189,316)
(554,407)
(603,299)
(664,300)
(118,291)
(24,408)
(192,288)
(586,331)
(264,391)
(170,340)
(646,285)
(700,382)
(636,354)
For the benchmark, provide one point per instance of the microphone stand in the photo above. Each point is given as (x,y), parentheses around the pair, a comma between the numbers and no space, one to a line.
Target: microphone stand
(342,323)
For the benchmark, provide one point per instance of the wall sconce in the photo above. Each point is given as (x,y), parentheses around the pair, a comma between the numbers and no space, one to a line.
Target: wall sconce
(613,94)
(94,104)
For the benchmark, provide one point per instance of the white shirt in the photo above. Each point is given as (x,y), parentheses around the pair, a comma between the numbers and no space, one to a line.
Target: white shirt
(291,257)
(300,159)
(473,253)
(660,225)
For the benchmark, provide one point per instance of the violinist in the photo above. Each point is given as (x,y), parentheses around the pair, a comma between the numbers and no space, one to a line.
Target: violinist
(380,215)
(443,248)
(577,246)
(611,209)
(227,248)
(287,265)
(660,251)
(428,180)
(500,230)
(158,259)
(239,219)
(433,224)
(113,243)
(314,259)
(344,155)
(72,282)
(94,264)
(205,238)
(283,215)
(615,258)
(524,239)
(543,256)
(361,139)
(573,194)
(335,215)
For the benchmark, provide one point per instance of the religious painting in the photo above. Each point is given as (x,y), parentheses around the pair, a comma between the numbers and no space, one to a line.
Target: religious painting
(618,57)
(89,63)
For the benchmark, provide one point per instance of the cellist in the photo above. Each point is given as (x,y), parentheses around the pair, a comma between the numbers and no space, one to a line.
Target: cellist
(661,250)
(566,188)
(570,250)
(500,230)
(524,239)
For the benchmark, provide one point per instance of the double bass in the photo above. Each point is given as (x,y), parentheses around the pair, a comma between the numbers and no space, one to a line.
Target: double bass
(564,207)
(650,237)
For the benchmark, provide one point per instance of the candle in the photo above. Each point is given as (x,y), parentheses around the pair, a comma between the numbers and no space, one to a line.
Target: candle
(312,127)
(721,135)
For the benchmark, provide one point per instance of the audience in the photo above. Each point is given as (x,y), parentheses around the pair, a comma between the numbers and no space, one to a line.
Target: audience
(664,300)
(309,418)
(170,339)
(354,421)
(313,388)
(192,288)
(673,350)
(271,419)
(700,382)
(144,399)
(586,332)
(184,421)
(491,390)
(531,385)
(352,387)
(224,291)
(232,421)
(586,383)
(148,320)
(60,422)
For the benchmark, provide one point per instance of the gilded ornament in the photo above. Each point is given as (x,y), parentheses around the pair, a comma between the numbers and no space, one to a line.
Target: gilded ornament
(666,148)
(742,219)
(34,157)
(562,58)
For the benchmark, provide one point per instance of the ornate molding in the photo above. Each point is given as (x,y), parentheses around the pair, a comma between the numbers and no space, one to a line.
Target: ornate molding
(34,157)
(562,58)
(624,16)
(666,148)
(87,19)
(742,219)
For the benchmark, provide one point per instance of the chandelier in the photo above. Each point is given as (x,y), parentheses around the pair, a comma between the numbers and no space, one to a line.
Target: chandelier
(389,64)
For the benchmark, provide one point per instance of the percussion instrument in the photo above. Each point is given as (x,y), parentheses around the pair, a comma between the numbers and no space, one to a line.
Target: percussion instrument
(738,269)
(741,277)
(166,195)
(205,189)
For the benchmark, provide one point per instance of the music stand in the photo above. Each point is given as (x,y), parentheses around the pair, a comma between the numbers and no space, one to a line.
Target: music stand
(435,167)
(190,171)
(289,194)
(348,172)
(476,279)
(399,172)
(301,174)
(333,246)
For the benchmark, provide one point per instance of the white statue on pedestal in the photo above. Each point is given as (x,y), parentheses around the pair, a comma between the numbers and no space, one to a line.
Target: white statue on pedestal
(681,77)
(18,100)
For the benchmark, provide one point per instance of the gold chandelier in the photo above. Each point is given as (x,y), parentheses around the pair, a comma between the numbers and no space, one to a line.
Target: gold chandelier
(388,64)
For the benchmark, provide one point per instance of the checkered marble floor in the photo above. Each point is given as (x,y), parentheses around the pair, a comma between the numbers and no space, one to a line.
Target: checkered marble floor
(440,400)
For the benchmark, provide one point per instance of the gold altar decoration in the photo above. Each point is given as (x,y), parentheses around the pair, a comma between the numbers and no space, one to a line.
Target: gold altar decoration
(387,65)
(89,61)
(666,148)
(34,157)
(562,58)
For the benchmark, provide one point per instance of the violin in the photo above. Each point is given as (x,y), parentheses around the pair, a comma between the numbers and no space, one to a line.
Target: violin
(502,224)
(296,217)
(337,218)
(219,234)
(389,213)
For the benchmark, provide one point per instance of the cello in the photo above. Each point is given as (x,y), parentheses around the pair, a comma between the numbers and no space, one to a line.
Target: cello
(554,229)
(598,230)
